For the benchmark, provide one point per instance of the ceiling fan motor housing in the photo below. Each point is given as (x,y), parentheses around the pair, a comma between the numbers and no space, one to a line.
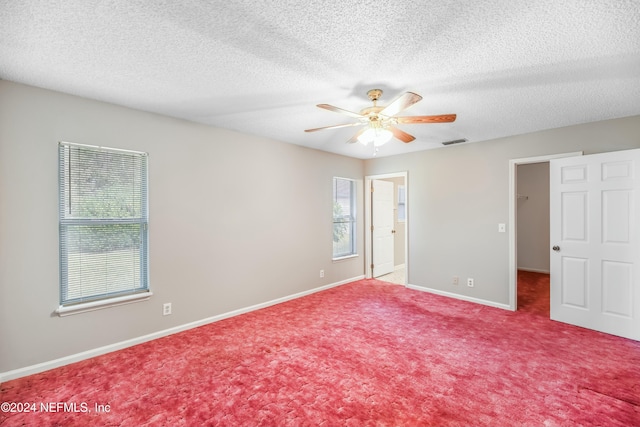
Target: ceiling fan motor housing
(374,94)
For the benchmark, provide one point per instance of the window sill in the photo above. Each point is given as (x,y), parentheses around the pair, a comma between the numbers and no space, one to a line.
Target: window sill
(68,310)
(342,258)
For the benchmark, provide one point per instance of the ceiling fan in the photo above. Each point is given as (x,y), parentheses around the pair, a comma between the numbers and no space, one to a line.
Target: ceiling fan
(381,121)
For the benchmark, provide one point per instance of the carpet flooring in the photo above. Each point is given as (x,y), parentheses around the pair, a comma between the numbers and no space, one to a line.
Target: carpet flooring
(368,353)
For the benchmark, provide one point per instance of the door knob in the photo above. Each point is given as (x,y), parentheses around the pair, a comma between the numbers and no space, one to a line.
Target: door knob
(556,248)
(393,231)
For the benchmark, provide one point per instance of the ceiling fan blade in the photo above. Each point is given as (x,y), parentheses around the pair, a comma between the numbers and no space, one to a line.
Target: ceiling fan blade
(444,118)
(402,102)
(334,127)
(354,138)
(341,111)
(401,135)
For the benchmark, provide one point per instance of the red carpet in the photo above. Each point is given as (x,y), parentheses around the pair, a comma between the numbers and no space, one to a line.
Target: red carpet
(366,353)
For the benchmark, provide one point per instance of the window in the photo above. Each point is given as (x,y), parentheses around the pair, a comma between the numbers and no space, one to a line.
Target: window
(103,223)
(402,204)
(344,217)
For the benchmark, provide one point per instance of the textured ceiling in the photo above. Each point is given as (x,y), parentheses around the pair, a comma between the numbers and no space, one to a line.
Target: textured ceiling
(260,67)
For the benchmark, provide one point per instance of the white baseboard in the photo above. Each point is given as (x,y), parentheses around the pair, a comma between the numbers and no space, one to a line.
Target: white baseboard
(45,366)
(461,297)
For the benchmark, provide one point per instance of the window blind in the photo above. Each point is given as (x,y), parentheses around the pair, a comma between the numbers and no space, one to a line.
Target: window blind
(344,217)
(103,223)
(402,204)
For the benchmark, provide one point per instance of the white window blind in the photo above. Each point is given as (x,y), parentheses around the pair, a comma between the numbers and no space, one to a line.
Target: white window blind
(344,217)
(402,204)
(103,223)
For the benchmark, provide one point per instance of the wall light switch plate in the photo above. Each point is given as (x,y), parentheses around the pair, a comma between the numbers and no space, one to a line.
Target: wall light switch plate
(502,228)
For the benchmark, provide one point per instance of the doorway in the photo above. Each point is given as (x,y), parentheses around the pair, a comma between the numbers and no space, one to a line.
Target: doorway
(532,231)
(399,272)
(514,200)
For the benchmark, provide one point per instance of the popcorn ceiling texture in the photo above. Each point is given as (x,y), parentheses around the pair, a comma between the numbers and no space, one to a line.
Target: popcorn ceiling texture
(505,68)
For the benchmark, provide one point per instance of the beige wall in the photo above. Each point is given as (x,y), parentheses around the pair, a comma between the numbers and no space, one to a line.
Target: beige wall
(459,194)
(235,220)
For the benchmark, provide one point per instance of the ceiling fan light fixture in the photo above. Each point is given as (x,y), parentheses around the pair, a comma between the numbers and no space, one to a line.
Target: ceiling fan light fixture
(379,136)
(381,121)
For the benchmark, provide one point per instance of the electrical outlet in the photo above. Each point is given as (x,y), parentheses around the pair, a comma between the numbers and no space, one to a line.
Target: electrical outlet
(166,309)
(470,282)
(321,273)
(456,280)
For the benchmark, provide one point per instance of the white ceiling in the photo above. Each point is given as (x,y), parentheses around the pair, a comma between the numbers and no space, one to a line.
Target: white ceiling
(260,67)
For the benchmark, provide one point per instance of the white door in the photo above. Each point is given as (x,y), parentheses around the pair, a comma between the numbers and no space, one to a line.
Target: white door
(595,234)
(383,232)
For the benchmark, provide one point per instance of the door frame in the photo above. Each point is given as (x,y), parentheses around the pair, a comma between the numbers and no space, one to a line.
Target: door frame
(513,210)
(367,222)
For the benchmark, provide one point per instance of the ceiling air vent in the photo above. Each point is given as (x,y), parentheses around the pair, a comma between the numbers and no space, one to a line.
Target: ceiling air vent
(455,141)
